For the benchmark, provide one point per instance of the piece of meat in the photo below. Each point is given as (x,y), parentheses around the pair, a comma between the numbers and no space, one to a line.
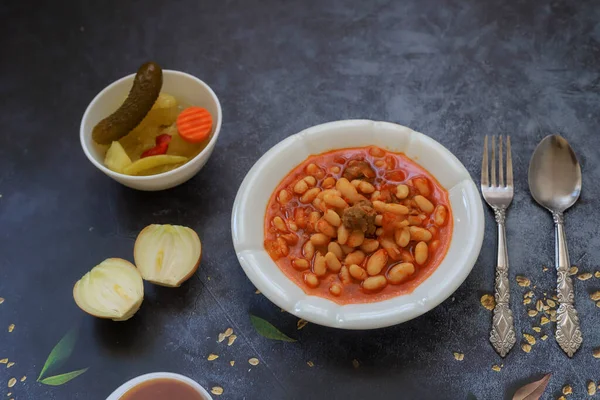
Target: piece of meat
(357,169)
(360,216)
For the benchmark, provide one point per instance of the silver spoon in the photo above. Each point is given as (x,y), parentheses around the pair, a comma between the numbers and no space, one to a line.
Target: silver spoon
(555,183)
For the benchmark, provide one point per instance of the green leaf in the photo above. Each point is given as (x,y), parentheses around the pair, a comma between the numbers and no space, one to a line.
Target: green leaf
(60,353)
(61,379)
(267,330)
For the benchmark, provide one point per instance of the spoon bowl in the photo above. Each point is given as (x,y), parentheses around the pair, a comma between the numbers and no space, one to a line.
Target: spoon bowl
(554,174)
(555,183)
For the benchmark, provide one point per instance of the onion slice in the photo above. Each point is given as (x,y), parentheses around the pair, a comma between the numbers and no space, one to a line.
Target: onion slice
(112,289)
(167,255)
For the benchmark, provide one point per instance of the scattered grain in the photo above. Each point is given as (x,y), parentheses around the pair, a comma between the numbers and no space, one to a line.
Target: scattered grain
(310,364)
(585,276)
(1,300)
(561,398)
(488,302)
(23,378)
(257,291)
(567,389)
(529,294)
(526,347)
(459,356)
(539,305)
(544,337)
(597,274)
(526,301)
(253,361)
(12,382)
(595,296)
(544,321)
(591,387)
(217,390)
(355,363)
(232,363)
(598,304)
(544,268)
(301,323)
(530,339)
(212,357)
(537,329)
(228,332)
(551,303)
(522,281)
(221,337)
(10,364)
(573,270)
(532,313)
(4,361)
(596,352)
(496,368)
(11,327)
(231,339)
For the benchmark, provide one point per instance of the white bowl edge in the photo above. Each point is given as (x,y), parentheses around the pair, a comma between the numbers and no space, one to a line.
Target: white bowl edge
(121,390)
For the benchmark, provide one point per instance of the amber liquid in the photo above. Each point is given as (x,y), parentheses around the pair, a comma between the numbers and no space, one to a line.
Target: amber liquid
(162,389)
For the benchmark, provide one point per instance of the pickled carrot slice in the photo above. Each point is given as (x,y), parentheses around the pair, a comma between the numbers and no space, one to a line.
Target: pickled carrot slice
(194,124)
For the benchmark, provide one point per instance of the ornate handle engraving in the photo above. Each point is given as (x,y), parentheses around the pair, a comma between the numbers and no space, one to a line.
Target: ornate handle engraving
(502,335)
(568,332)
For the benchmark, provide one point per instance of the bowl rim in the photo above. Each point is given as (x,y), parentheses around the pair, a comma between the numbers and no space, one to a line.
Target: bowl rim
(106,170)
(308,306)
(133,382)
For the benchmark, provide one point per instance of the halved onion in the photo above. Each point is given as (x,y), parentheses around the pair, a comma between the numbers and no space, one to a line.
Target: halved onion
(112,289)
(167,255)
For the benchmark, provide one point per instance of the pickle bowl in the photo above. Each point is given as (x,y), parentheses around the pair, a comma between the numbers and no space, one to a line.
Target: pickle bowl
(187,89)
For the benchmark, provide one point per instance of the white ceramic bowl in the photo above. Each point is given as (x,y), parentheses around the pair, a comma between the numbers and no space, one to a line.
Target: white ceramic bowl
(187,89)
(251,202)
(121,390)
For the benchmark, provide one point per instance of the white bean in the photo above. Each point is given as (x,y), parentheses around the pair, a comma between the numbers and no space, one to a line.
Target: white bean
(399,272)
(374,282)
(377,262)
(421,253)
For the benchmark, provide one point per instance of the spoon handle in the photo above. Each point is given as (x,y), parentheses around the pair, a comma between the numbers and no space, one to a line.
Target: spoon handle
(502,335)
(568,332)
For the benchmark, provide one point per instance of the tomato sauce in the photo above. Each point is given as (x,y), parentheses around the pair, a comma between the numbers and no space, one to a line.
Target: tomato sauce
(391,169)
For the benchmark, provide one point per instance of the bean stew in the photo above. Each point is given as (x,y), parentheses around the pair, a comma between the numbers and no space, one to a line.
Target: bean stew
(358,225)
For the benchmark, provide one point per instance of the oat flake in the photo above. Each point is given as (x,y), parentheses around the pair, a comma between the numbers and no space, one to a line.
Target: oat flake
(221,337)
(217,390)
(232,363)
(591,387)
(597,274)
(522,281)
(4,361)
(212,357)
(488,301)
(585,276)
(526,347)
(355,363)
(532,313)
(595,296)
(544,337)
(301,323)
(1,300)
(23,378)
(530,339)
(310,364)
(459,356)
(544,321)
(496,368)
(257,291)
(573,270)
(11,327)
(537,329)
(10,364)
(253,361)
(231,340)
(551,303)
(567,389)
(596,352)
(12,382)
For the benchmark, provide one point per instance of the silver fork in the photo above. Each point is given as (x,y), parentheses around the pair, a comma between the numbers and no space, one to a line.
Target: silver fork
(499,198)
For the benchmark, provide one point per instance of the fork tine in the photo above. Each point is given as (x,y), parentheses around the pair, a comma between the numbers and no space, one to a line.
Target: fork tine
(484,164)
(509,171)
(500,162)
(493,160)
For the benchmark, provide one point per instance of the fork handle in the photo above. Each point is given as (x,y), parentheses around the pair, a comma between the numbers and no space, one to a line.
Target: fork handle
(502,335)
(568,332)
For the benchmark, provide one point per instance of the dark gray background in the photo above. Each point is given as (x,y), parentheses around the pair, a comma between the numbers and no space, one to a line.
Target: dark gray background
(455,70)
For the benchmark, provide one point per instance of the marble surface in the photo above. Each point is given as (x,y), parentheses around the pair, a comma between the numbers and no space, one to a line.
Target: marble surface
(454,70)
